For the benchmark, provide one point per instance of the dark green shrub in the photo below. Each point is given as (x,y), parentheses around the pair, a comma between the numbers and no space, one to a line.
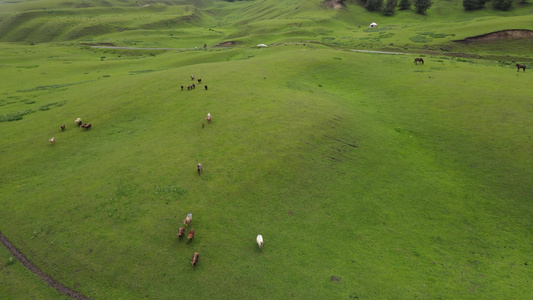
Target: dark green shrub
(502,4)
(405,4)
(422,5)
(374,5)
(389,8)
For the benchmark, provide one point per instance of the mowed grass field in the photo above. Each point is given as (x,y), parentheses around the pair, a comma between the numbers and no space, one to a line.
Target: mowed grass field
(368,176)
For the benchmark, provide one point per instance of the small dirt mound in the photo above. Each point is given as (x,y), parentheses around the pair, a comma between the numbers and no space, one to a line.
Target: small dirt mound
(499,35)
(335,4)
(226,44)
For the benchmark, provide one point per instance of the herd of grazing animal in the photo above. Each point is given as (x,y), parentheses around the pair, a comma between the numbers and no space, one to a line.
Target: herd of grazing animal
(193,86)
(190,236)
(78,122)
(420,61)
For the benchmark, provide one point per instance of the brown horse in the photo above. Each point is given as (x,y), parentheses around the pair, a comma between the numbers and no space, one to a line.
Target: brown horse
(419,60)
(519,66)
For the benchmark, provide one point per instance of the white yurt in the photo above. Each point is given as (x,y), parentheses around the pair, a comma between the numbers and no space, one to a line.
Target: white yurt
(373,24)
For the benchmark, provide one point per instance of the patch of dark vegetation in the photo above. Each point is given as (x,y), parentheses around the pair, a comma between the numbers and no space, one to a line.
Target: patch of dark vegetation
(53,86)
(15,116)
(141,72)
(498,35)
(335,278)
(48,105)
(28,67)
(98,44)
(170,192)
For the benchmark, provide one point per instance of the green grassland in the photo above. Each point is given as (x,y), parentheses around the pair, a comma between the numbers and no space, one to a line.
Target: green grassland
(368,176)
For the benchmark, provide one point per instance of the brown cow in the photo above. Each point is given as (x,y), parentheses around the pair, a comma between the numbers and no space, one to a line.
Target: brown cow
(86,126)
(208,118)
(181,232)
(63,127)
(190,236)
(194,260)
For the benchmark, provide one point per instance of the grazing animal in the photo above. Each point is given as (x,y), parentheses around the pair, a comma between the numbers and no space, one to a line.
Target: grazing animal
(519,66)
(193,85)
(199,168)
(190,236)
(181,232)
(188,220)
(182,87)
(192,77)
(206,87)
(52,140)
(199,80)
(86,126)
(208,118)
(194,260)
(63,127)
(78,121)
(203,124)
(260,242)
(419,60)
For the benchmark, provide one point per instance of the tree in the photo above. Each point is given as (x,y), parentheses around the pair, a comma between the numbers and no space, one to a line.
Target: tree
(389,8)
(502,4)
(473,4)
(374,5)
(422,5)
(404,4)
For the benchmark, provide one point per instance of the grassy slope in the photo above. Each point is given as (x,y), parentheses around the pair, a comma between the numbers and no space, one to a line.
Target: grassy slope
(433,202)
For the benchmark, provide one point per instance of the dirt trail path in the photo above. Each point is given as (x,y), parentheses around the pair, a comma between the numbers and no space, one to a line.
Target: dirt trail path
(22,258)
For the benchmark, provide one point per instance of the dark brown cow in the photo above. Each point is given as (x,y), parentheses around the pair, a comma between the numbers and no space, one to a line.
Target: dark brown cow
(63,127)
(419,60)
(519,66)
(86,126)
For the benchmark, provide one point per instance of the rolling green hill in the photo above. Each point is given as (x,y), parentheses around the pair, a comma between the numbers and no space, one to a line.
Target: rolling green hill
(368,176)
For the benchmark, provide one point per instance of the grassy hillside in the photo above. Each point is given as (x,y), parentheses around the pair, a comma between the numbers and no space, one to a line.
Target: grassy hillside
(368,176)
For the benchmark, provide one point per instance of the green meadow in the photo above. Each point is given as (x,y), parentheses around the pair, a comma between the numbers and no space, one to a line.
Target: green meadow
(368,176)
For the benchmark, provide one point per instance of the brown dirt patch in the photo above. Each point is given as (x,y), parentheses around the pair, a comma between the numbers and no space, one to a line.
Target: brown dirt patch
(226,44)
(499,35)
(45,277)
(335,4)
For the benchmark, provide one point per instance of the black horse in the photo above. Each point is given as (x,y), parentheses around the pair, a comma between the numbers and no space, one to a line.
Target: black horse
(519,66)
(419,60)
